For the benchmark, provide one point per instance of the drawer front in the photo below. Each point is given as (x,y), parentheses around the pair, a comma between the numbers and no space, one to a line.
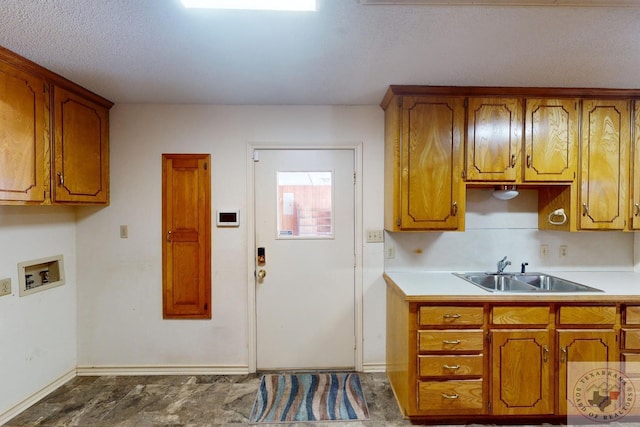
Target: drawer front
(450,396)
(458,340)
(520,315)
(588,315)
(632,315)
(631,339)
(450,366)
(631,365)
(450,315)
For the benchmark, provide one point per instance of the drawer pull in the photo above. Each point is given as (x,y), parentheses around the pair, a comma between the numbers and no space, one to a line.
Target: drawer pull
(452,368)
(451,342)
(449,396)
(452,316)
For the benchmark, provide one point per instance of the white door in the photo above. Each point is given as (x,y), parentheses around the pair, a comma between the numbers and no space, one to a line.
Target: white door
(304,221)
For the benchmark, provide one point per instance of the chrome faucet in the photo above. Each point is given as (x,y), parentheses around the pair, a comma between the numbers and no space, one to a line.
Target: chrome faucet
(502,264)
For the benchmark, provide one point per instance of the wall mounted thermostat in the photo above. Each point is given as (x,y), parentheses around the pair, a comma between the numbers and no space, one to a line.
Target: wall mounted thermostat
(228,218)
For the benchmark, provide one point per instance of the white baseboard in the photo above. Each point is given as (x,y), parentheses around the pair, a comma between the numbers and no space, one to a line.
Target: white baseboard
(374,367)
(35,397)
(162,370)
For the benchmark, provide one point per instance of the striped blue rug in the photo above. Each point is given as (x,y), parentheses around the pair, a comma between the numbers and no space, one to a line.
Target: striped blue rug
(309,397)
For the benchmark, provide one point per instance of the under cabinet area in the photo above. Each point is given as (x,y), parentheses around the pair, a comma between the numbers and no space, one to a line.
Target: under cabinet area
(55,140)
(489,359)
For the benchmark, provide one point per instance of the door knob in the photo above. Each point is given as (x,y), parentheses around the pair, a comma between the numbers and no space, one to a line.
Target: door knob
(261,274)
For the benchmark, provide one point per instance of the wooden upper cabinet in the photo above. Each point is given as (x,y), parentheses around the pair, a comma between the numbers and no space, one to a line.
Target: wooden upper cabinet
(551,139)
(80,170)
(605,163)
(634,202)
(24,136)
(494,139)
(423,164)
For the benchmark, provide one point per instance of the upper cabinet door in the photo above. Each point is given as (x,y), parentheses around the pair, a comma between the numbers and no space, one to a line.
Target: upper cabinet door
(431,163)
(494,139)
(551,137)
(80,173)
(605,163)
(635,170)
(24,136)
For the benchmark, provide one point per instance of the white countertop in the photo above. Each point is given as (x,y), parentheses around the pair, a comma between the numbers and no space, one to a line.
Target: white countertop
(431,284)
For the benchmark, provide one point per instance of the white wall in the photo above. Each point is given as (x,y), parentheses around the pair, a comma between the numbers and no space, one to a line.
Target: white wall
(38,331)
(119,296)
(496,228)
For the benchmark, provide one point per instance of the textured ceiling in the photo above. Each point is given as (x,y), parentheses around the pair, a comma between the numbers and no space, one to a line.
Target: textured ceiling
(154,51)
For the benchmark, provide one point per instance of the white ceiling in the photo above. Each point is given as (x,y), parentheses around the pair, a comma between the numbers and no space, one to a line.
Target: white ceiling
(154,51)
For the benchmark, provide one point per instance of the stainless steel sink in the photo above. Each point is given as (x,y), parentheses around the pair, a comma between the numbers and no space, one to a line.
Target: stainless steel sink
(523,282)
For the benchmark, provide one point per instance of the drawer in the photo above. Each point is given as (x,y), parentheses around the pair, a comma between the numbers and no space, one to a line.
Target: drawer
(631,365)
(450,315)
(450,366)
(632,315)
(520,315)
(588,315)
(631,339)
(453,340)
(450,396)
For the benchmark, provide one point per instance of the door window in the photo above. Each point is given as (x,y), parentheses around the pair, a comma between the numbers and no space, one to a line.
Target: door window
(305,205)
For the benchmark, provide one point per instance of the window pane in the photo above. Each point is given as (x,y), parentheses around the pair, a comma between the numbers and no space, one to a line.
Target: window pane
(305,204)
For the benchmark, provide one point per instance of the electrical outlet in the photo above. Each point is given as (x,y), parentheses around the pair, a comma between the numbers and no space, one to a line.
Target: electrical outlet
(390,252)
(564,251)
(5,287)
(124,232)
(544,251)
(375,236)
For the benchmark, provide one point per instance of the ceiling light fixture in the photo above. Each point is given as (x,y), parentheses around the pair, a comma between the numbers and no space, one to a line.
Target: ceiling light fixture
(505,192)
(291,5)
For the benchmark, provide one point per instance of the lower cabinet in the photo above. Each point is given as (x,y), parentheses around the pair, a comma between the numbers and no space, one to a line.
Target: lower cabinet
(497,361)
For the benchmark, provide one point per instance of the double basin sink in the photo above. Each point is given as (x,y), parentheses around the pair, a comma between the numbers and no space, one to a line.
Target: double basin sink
(523,282)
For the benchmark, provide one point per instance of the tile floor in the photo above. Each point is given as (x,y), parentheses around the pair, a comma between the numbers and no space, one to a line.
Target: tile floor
(200,400)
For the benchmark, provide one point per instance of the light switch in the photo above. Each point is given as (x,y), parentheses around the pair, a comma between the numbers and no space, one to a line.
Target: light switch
(124,232)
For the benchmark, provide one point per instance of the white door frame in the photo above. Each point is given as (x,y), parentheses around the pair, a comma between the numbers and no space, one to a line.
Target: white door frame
(251,247)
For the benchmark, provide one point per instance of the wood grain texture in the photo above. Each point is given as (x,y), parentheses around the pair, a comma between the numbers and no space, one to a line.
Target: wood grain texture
(186,236)
(520,315)
(521,372)
(451,396)
(605,164)
(451,340)
(80,172)
(591,348)
(450,315)
(587,315)
(24,137)
(451,366)
(551,137)
(494,139)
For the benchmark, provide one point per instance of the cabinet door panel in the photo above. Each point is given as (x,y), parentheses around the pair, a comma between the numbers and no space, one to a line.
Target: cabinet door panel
(81,150)
(605,141)
(24,135)
(586,350)
(494,139)
(521,372)
(431,163)
(551,137)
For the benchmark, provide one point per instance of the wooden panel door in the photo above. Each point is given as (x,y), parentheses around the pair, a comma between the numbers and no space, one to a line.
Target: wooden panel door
(24,136)
(605,163)
(186,236)
(494,139)
(521,372)
(551,140)
(594,349)
(431,162)
(81,150)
